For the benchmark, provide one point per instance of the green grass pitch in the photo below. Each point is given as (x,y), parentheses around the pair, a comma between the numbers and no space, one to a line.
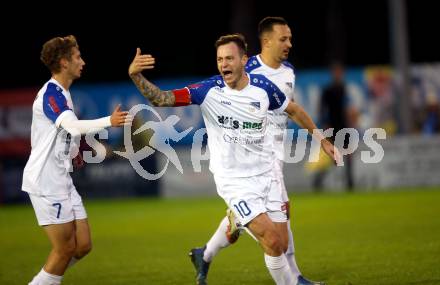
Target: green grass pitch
(361,238)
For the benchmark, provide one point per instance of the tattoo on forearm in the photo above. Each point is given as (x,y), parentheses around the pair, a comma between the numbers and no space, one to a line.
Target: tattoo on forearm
(156,96)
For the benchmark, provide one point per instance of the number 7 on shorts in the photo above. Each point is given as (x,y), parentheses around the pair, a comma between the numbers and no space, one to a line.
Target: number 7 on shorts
(59,209)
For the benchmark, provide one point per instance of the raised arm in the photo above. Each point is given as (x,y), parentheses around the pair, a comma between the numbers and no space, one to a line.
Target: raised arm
(70,122)
(301,118)
(150,91)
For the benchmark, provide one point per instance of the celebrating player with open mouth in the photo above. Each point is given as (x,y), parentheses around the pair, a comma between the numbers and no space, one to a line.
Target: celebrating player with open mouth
(235,106)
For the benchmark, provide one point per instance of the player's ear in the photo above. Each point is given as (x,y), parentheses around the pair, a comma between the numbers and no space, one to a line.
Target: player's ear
(265,40)
(63,63)
(244,59)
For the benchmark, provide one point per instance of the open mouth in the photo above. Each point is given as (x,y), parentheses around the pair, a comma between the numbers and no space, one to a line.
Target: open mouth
(227,73)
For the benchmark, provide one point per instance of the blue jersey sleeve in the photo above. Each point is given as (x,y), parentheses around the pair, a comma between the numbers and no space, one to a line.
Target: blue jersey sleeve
(288,64)
(252,64)
(199,90)
(54,102)
(277,99)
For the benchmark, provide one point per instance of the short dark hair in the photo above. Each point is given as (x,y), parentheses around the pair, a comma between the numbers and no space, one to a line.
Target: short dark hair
(238,39)
(266,25)
(55,49)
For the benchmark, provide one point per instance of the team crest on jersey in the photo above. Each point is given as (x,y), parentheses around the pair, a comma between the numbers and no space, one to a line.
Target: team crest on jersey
(256,105)
(289,84)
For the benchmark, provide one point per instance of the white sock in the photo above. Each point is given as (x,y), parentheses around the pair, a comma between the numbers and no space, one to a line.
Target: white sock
(35,280)
(72,262)
(290,253)
(279,270)
(44,278)
(217,241)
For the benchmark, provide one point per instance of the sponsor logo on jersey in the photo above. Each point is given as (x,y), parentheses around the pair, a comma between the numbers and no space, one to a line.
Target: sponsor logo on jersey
(243,140)
(225,102)
(228,122)
(217,88)
(275,95)
(251,125)
(289,84)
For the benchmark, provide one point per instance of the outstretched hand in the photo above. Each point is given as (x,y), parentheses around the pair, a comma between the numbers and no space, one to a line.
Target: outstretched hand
(140,63)
(120,118)
(333,152)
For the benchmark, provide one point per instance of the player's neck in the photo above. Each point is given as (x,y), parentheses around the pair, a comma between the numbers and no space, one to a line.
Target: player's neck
(64,80)
(269,60)
(242,83)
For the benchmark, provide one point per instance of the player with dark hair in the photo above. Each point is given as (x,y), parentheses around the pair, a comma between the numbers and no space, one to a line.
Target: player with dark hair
(234,107)
(275,40)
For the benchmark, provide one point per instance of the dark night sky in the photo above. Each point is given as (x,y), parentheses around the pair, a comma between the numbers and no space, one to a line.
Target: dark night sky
(181,37)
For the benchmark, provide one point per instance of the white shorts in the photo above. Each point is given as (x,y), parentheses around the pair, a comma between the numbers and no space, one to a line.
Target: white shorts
(279,176)
(248,197)
(58,209)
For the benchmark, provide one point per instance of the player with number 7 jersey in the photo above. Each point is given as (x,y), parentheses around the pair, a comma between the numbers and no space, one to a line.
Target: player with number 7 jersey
(46,176)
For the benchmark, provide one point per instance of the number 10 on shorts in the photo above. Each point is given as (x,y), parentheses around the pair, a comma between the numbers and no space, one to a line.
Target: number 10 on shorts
(242,208)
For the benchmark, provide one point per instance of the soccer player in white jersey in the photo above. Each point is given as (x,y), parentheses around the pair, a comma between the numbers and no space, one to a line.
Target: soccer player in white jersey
(275,40)
(234,107)
(58,206)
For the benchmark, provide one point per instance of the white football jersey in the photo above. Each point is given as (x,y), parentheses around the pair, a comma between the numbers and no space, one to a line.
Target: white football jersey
(46,172)
(284,79)
(236,124)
